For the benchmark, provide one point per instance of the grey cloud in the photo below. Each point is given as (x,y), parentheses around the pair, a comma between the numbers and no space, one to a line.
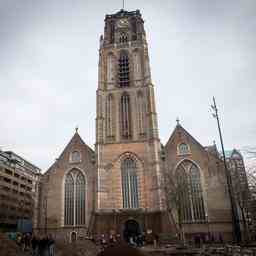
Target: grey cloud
(49,58)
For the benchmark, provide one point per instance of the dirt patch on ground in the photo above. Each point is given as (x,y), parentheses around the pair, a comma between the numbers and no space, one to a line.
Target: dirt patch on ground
(8,247)
(79,248)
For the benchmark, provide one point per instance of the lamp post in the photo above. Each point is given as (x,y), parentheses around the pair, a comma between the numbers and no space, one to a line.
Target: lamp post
(234,213)
(208,227)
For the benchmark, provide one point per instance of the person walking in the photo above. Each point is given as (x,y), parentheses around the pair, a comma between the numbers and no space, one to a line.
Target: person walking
(34,246)
(51,243)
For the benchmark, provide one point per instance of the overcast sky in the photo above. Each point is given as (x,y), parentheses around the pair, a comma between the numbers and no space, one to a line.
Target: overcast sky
(49,58)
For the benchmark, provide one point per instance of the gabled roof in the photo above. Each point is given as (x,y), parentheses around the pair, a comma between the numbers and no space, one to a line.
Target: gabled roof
(75,139)
(180,128)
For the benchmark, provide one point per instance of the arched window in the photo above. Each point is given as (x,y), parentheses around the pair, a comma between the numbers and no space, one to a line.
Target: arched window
(141,113)
(190,192)
(110,116)
(74,201)
(125,110)
(129,184)
(75,157)
(183,149)
(124,71)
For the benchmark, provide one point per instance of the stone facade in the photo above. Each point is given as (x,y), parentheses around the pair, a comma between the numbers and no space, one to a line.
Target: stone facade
(126,128)
(213,180)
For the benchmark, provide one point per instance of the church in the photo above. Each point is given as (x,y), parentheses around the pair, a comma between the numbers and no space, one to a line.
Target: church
(120,186)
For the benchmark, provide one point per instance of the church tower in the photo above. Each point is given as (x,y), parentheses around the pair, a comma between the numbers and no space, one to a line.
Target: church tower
(127,143)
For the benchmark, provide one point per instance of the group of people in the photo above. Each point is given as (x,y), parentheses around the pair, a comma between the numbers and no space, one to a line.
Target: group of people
(40,246)
(132,240)
(136,240)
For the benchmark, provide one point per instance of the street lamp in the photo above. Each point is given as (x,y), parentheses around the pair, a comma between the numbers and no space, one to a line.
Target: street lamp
(234,213)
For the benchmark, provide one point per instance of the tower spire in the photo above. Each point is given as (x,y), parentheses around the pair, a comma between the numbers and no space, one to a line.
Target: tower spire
(123,5)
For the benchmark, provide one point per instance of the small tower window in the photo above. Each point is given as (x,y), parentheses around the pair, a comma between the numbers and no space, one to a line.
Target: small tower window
(110,116)
(124,71)
(112,32)
(125,112)
(183,149)
(134,29)
(75,157)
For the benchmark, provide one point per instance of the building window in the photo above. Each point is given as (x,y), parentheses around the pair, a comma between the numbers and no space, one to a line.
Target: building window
(124,71)
(134,29)
(74,213)
(129,184)
(183,149)
(190,191)
(69,200)
(137,65)
(75,157)
(125,116)
(112,31)
(110,69)
(141,113)
(80,199)
(110,115)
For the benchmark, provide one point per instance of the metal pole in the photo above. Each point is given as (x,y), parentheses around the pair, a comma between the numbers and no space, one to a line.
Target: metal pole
(234,213)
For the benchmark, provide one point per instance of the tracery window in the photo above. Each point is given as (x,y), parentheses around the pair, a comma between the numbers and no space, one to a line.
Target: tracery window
(74,201)
(125,111)
(123,38)
(183,149)
(129,183)
(75,157)
(141,113)
(110,115)
(124,71)
(192,208)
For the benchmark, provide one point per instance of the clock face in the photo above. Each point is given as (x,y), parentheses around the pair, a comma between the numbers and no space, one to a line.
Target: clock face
(123,23)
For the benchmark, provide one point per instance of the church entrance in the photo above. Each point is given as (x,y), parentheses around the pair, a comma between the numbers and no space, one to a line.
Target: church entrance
(131,230)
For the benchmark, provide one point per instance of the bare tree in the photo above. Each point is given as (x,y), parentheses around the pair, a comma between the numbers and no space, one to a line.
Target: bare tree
(250,155)
(242,196)
(174,190)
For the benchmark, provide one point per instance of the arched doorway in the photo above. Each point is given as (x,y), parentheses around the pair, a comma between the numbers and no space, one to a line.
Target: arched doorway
(131,229)
(73,236)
